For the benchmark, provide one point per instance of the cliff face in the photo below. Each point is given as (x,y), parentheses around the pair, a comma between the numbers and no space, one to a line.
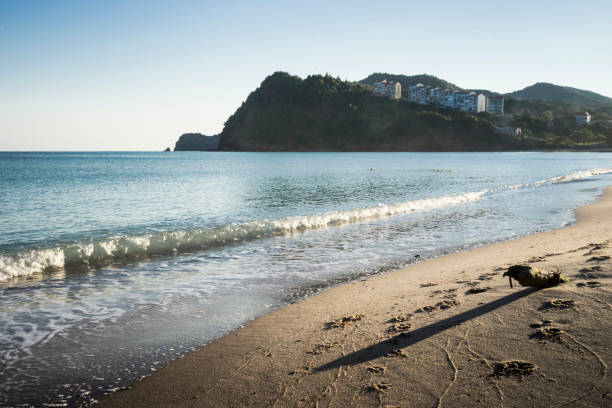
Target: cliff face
(196,142)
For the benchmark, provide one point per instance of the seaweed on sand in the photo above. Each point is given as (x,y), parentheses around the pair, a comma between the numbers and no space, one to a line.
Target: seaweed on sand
(531,276)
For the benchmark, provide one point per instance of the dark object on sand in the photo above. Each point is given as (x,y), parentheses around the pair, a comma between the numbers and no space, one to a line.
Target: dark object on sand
(531,276)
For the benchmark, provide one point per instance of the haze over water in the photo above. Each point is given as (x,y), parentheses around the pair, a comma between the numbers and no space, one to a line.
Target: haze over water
(113,263)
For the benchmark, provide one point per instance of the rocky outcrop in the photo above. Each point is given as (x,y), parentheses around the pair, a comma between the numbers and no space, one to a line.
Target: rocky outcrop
(196,142)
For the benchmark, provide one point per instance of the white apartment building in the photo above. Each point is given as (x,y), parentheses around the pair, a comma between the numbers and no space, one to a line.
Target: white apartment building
(447,98)
(390,89)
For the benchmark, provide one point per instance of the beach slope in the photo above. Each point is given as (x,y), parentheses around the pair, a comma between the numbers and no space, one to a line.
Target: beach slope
(444,332)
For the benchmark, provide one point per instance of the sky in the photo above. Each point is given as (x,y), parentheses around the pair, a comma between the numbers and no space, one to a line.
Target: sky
(135,75)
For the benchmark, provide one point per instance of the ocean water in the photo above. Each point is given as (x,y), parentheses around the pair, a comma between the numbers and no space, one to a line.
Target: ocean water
(114,263)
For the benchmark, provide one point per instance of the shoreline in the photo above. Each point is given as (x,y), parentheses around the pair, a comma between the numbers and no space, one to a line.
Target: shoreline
(376,341)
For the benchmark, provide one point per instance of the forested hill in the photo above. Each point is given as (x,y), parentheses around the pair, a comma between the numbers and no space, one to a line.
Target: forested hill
(577,98)
(322,113)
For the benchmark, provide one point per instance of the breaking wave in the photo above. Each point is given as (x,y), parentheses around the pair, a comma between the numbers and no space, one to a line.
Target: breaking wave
(564,179)
(125,249)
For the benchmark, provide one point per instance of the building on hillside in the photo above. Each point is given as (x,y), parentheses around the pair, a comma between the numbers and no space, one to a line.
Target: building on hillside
(584,119)
(495,105)
(508,130)
(471,102)
(447,98)
(390,89)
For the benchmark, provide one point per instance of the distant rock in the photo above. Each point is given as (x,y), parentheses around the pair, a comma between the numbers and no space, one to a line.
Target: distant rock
(167,149)
(196,142)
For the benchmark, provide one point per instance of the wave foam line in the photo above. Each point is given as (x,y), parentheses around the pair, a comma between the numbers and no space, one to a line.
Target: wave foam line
(563,179)
(128,249)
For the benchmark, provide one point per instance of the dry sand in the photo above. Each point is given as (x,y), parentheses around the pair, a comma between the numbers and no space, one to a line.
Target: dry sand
(429,335)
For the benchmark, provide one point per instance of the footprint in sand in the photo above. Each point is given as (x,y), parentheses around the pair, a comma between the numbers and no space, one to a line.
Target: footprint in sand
(376,369)
(598,258)
(444,292)
(343,322)
(515,368)
(595,248)
(397,353)
(400,318)
(477,289)
(399,328)
(543,324)
(557,304)
(324,347)
(551,334)
(377,387)
(589,272)
(589,284)
(487,276)
(445,304)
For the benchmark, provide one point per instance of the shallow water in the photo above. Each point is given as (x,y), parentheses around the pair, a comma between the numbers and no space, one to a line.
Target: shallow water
(113,263)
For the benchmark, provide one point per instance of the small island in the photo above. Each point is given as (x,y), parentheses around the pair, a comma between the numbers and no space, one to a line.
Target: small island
(196,142)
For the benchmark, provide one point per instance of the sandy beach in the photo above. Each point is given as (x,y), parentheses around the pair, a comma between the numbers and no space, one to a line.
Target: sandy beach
(444,332)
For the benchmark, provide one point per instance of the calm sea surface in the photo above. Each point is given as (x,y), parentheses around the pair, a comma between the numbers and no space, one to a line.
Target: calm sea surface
(114,263)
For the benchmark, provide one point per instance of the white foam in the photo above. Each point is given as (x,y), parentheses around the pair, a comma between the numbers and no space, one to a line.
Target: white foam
(382,210)
(562,179)
(125,249)
(574,176)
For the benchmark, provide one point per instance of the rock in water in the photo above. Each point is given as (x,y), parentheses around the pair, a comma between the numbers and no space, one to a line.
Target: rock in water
(531,276)
(196,142)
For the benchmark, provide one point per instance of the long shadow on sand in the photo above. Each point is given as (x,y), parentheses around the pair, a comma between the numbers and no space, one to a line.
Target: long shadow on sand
(425,332)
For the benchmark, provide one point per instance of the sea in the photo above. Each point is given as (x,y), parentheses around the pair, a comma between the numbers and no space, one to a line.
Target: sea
(114,263)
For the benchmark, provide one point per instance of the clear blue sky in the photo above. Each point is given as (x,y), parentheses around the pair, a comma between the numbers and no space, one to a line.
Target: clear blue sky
(134,75)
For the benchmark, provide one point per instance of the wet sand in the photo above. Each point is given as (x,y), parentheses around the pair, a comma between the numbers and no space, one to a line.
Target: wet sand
(445,332)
